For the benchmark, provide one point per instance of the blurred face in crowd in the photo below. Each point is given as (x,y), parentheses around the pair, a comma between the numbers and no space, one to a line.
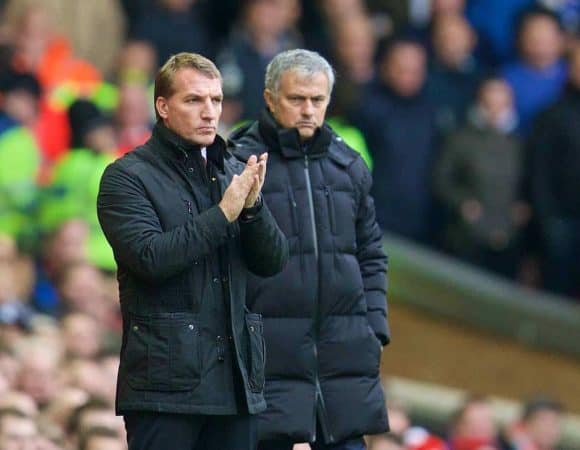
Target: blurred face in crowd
(101,418)
(82,336)
(21,106)
(495,100)
(447,7)
(38,375)
(133,109)
(137,61)
(9,368)
(385,443)
(104,443)
(33,32)
(17,433)
(541,41)
(403,69)
(102,139)
(476,422)
(82,290)
(271,17)
(67,245)
(177,5)
(399,421)
(19,401)
(355,47)
(336,10)
(300,102)
(453,39)
(62,407)
(544,428)
(194,108)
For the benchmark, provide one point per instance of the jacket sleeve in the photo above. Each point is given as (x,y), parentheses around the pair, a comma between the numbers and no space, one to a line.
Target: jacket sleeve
(264,246)
(372,259)
(134,231)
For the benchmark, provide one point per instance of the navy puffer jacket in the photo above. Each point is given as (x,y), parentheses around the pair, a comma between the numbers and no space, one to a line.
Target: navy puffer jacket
(325,314)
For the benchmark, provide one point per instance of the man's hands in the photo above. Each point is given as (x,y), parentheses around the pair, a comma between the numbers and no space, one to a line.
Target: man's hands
(245,188)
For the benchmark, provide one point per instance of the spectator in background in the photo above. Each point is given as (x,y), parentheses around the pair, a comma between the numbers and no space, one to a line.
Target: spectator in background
(39,365)
(266,27)
(454,73)
(386,441)
(354,49)
(72,193)
(17,430)
(398,122)
(132,118)
(473,427)
(539,74)
(81,288)
(99,438)
(540,427)
(478,179)
(555,184)
(423,33)
(82,336)
(20,402)
(83,24)
(42,51)
(173,26)
(20,156)
(495,23)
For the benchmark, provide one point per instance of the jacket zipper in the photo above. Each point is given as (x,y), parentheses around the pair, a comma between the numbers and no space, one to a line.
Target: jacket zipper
(319,408)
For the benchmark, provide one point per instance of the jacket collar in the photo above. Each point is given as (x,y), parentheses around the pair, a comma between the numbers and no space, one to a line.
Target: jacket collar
(179,148)
(287,140)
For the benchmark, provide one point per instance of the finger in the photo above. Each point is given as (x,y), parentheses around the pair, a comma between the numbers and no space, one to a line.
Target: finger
(252,160)
(264,157)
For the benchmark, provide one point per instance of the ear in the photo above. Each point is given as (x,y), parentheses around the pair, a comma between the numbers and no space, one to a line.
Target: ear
(162,107)
(269,99)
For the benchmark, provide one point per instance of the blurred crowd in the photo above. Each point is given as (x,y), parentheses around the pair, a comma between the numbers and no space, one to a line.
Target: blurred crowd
(473,426)
(465,110)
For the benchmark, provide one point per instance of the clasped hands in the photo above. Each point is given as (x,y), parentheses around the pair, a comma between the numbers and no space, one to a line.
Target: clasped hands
(244,188)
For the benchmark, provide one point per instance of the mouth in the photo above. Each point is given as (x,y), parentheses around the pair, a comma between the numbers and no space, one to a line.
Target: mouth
(305,125)
(206,130)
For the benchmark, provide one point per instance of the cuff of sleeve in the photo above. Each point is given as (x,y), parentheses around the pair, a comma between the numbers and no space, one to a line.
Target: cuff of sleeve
(248,214)
(217,222)
(379,324)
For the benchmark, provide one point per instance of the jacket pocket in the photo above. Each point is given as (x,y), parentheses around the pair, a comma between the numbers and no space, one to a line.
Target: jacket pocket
(162,352)
(256,352)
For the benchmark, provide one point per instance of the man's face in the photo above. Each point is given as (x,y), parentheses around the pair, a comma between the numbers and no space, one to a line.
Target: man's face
(300,102)
(545,429)
(194,108)
(17,433)
(404,69)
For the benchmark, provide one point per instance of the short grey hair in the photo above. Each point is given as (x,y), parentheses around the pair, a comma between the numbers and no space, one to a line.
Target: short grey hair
(304,62)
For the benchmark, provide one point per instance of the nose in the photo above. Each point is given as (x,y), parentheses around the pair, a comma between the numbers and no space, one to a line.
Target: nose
(307,108)
(208,111)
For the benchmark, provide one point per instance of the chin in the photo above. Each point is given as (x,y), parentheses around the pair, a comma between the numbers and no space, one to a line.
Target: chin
(203,140)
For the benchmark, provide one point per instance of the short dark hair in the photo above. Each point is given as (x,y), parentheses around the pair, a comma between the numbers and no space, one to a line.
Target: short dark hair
(541,403)
(13,412)
(533,13)
(87,435)
(94,403)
